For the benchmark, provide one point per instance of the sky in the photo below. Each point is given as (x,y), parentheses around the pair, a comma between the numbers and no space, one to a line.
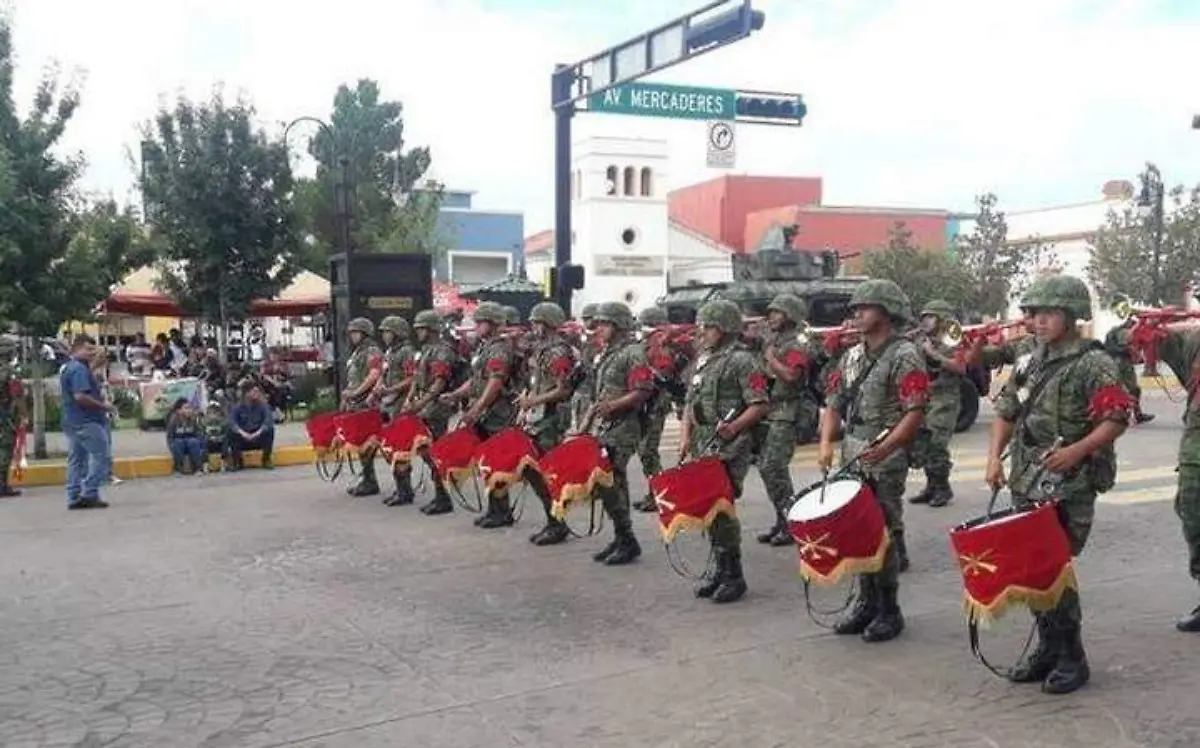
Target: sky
(912,103)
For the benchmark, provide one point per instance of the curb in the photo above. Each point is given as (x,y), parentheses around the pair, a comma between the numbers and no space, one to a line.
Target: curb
(157,466)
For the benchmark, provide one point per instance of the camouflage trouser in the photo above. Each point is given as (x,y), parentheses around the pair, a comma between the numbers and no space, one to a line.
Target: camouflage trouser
(726,532)
(1187,506)
(648,447)
(774,463)
(8,440)
(437,429)
(1076,511)
(1128,375)
(941,416)
(615,498)
(547,435)
(888,479)
(579,405)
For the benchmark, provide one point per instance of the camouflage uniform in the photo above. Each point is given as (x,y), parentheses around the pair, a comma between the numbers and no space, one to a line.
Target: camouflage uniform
(365,358)
(662,361)
(726,380)
(588,354)
(792,350)
(433,363)
(1116,343)
(1055,397)
(891,382)
(493,360)
(619,370)
(397,362)
(1181,351)
(997,357)
(551,363)
(11,413)
(941,413)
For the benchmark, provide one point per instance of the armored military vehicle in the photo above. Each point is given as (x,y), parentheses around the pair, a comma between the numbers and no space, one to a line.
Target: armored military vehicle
(815,277)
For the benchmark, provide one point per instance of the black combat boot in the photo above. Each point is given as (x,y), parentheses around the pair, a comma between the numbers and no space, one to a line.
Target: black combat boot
(901,544)
(404,493)
(942,493)
(767,535)
(1143,417)
(1190,623)
(602,555)
(866,607)
(1071,671)
(441,501)
(627,550)
(367,486)
(889,621)
(925,495)
(499,514)
(714,575)
(783,537)
(733,586)
(647,504)
(1035,666)
(554,532)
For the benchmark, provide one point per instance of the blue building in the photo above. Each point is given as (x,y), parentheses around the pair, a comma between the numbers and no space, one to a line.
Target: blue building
(484,245)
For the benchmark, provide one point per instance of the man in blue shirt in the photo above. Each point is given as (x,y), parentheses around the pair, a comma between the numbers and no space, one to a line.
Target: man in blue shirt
(251,426)
(85,425)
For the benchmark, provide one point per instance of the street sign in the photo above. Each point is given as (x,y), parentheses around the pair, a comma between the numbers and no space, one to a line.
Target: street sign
(662,100)
(722,145)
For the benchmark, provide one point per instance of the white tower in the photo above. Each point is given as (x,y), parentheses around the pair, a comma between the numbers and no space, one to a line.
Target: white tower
(619,220)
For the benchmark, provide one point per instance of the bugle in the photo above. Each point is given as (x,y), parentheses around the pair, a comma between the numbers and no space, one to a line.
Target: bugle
(956,335)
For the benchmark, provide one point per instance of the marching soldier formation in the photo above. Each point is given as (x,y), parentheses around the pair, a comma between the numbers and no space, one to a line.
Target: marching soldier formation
(891,399)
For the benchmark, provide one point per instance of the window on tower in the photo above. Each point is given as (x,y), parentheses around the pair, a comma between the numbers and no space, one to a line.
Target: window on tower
(610,181)
(647,186)
(630,175)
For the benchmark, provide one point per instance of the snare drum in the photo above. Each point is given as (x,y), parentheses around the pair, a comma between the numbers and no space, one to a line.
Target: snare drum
(453,455)
(322,431)
(572,470)
(359,429)
(504,456)
(839,529)
(1013,556)
(692,495)
(403,438)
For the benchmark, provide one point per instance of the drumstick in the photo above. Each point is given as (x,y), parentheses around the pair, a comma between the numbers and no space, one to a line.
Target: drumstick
(824,484)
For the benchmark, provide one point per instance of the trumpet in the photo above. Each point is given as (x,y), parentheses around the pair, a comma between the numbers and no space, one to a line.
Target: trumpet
(836,339)
(955,335)
(1123,309)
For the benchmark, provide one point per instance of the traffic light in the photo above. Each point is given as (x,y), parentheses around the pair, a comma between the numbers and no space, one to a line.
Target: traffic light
(724,28)
(772,108)
(571,276)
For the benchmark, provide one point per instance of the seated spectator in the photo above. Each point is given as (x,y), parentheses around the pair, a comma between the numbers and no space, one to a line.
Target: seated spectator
(274,378)
(251,427)
(216,432)
(185,438)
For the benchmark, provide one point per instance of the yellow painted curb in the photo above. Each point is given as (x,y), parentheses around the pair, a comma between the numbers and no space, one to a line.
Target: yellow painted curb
(157,466)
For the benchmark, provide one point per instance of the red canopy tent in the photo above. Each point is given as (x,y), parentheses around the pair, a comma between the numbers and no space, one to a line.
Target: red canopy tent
(153,304)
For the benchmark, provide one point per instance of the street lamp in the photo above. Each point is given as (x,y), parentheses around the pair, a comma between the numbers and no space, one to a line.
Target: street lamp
(1150,206)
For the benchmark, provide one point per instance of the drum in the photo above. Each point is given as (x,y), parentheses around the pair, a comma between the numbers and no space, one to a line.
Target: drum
(502,459)
(573,469)
(1013,556)
(839,529)
(453,455)
(692,495)
(359,429)
(322,431)
(401,439)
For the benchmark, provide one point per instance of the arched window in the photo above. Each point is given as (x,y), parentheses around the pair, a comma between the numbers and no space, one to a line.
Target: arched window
(630,175)
(574,184)
(578,184)
(647,187)
(610,185)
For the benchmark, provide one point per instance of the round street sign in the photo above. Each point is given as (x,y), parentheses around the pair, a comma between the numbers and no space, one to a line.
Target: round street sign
(720,136)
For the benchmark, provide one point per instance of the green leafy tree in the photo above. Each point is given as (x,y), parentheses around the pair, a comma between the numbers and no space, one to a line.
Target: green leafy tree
(218,201)
(395,208)
(59,255)
(1122,257)
(924,274)
(999,268)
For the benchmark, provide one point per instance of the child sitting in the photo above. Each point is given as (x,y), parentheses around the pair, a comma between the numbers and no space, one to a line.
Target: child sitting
(184,438)
(216,432)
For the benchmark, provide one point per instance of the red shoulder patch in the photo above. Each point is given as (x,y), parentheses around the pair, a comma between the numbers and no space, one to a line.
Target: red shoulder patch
(496,366)
(757,381)
(375,361)
(562,366)
(795,359)
(914,387)
(639,378)
(1109,401)
(439,369)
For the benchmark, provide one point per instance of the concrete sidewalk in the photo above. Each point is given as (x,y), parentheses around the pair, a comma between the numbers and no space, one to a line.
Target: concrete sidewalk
(133,442)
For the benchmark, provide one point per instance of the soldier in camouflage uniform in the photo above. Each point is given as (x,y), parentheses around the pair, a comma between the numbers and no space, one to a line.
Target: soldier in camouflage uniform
(726,398)
(1180,350)
(946,373)
(587,362)
(880,385)
(489,394)
(363,371)
(398,357)
(12,413)
(433,366)
(1059,414)
(1116,343)
(544,405)
(787,356)
(621,383)
(662,360)
(997,357)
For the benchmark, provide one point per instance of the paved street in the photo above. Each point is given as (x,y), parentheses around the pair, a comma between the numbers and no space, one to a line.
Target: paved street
(269,609)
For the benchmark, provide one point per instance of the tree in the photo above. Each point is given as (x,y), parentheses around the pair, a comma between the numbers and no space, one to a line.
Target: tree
(59,255)
(395,209)
(999,269)
(924,274)
(218,201)
(1122,258)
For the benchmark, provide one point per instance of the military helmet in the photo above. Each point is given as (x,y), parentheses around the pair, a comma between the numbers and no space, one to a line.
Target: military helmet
(589,311)
(792,306)
(361,324)
(884,294)
(396,325)
(652,316)
(512,315)
(938,308)
(1059,292)
(616,313)
(721,313)
(548,313)
(490,311)
(427,319)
